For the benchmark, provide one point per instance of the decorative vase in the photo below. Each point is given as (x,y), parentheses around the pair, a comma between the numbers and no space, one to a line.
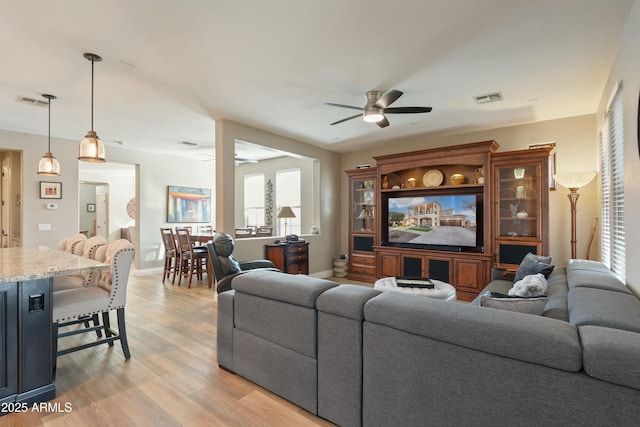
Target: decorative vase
(457,179)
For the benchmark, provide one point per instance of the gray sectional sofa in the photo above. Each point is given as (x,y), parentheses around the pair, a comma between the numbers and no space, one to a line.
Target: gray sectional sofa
(355,356)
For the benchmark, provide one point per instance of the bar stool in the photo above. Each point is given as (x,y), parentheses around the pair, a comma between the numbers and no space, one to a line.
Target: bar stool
(170,254)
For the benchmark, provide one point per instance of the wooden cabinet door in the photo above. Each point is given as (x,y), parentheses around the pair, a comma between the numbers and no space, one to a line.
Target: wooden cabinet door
(468,274)
(389,264)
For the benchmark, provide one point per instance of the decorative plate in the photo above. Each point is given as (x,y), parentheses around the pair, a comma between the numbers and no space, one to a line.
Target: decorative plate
(131,208)
(432,178)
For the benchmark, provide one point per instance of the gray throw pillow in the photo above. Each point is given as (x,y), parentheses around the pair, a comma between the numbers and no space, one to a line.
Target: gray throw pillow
(521,305)
(543,259)
(530,265)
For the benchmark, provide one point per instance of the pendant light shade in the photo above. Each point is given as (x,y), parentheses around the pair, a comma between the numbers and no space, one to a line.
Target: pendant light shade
(48,165)
(91,148)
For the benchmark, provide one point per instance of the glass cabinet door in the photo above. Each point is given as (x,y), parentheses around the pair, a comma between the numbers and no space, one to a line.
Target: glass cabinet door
(518,200)
(364,206)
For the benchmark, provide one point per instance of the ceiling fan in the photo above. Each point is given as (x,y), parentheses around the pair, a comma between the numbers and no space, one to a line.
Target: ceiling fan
(239,160)
(377,106)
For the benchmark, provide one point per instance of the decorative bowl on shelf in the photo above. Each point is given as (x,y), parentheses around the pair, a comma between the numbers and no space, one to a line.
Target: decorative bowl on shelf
(457,179)
(522,214)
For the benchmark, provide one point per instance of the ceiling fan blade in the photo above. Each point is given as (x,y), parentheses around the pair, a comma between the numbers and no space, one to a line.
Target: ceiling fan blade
(407,110)
(343,106)
(388,98)
(383,123)
(345,119)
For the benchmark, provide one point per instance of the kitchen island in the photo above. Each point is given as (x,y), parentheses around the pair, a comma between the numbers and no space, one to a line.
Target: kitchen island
(26,350)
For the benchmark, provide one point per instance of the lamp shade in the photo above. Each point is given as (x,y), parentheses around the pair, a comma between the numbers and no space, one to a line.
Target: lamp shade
(286,212)
(48,165)
(91,148)
(574,179)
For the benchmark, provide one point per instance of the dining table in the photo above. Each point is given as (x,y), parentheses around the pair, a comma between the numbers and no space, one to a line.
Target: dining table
(26,333)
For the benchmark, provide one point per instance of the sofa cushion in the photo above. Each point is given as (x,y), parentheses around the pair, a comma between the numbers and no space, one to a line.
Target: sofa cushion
(296,289)
(611,355)
(534,339)
(596,279)
(531,265)
(533,305)
(346,301)
(588,306)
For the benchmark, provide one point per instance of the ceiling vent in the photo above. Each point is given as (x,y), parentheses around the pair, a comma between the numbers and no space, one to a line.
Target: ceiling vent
(188,143)
(490,97)
(31,101)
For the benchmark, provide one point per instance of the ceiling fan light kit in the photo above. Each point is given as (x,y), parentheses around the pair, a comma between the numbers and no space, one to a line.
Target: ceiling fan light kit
(377,106)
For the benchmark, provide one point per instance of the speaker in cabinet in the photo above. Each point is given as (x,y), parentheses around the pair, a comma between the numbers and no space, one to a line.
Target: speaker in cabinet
(363,244)
(513,254)
(439,270)
(412,267)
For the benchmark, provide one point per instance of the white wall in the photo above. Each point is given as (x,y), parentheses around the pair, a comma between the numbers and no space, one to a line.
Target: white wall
(626,68)
(576,150)
(64,219)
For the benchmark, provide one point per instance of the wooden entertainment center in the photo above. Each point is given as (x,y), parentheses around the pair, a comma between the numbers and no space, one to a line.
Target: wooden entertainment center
(511,190)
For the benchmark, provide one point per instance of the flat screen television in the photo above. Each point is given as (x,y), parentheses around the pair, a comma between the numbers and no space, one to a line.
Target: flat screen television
(441,222)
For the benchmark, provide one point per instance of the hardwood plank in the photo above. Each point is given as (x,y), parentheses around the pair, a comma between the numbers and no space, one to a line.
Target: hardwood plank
(172,378)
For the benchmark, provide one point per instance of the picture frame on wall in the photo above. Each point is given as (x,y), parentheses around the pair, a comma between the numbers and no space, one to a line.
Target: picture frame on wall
(50,190)
(188,204)
(91,207)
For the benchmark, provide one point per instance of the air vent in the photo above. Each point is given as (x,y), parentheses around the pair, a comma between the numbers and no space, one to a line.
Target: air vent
(188,143)
(31,101)
(490,97)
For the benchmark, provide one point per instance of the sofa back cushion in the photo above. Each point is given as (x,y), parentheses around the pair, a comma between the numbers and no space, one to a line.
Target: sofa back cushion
(588,306)
(611,355)
(534,339)
(297,289)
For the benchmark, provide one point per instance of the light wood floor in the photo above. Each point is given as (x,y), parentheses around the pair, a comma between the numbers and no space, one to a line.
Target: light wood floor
(172,378)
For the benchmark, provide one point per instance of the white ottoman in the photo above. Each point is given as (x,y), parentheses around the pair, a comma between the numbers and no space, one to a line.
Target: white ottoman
(441,290)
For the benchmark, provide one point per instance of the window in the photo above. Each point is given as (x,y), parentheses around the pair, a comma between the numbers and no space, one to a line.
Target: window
(254,200)
(612,183)
(288,194)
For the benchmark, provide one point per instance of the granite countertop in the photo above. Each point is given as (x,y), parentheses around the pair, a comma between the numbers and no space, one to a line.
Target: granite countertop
(20,264)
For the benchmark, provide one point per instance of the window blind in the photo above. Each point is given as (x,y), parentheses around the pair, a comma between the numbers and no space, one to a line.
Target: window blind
(612,184)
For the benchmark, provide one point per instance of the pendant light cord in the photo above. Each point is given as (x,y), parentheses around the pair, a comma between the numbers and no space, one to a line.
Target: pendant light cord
(49,126)
(92,59)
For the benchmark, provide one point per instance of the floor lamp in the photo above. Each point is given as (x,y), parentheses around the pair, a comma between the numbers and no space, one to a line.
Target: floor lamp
(574,181)
(286,212)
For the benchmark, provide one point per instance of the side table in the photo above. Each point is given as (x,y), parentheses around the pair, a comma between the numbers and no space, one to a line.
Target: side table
(292,258)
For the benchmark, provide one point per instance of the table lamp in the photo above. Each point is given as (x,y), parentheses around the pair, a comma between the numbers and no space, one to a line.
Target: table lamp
(286,212)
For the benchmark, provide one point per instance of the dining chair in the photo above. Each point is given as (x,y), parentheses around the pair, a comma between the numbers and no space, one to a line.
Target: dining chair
(170,254)
(107,292)
(264,231)
(192,259)
(242,233)
(85,249)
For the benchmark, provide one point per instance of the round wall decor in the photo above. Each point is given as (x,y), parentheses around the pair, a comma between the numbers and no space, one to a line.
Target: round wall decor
(131,208)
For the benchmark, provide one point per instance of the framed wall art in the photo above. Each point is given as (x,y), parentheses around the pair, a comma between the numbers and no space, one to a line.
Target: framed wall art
(50,190)
(187,204)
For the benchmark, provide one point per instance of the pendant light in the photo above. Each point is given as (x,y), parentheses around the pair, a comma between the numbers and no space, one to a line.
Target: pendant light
(91,148)
(48,165)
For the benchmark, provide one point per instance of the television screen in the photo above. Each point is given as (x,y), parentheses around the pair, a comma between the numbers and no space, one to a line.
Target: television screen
(443,220)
